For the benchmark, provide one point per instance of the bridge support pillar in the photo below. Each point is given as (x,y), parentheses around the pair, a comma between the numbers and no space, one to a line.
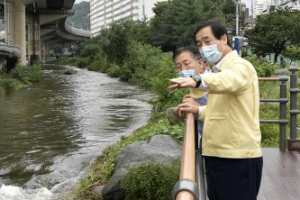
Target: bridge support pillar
(45,51)
(34,45)
(17,28)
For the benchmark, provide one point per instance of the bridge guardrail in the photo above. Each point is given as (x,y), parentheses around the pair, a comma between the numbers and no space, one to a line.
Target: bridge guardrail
(76,31)
(56,12)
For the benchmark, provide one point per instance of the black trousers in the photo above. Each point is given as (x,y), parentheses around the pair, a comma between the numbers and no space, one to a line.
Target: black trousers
(233,179)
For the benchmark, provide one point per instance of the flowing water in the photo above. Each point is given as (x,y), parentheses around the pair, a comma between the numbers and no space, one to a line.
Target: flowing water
(51,132)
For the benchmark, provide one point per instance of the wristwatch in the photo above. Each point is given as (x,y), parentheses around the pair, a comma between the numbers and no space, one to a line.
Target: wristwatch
(198,79)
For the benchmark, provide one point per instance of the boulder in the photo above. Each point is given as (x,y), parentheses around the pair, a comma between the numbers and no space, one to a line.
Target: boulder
(160,148)
(173,116)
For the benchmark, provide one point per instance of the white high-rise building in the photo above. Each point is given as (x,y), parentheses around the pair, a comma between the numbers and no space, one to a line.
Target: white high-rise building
(104,12)
(294,5)
(260,5)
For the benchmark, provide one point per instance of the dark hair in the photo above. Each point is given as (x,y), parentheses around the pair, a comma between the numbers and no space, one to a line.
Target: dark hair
(217,29)
(192,49)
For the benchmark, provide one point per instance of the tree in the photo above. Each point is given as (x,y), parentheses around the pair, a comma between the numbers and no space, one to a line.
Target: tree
(174,21)
(229,7)
(274,31)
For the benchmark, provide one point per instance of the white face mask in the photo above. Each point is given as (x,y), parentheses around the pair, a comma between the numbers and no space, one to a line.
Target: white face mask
(211,53)
(186,73)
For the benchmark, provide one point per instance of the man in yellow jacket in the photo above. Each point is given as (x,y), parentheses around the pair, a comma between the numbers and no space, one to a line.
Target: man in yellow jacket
(231,136)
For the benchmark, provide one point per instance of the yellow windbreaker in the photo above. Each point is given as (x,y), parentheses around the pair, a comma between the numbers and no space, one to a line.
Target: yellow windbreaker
(231,117)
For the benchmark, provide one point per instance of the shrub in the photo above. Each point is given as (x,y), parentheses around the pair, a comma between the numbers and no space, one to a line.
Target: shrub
(90,51)
(100,63)
(35,73)
(114,70)
(67,61)
(83,62)
(151,181)
(263,68)
(141,64)
(267,69)
(7,86)
(292,52)
(20,73)
(31,74)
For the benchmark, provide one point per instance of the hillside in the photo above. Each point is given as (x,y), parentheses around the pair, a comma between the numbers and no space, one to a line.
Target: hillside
(81,18)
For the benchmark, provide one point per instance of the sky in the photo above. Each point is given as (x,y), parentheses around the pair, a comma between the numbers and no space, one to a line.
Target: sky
(78,1)
(248,2)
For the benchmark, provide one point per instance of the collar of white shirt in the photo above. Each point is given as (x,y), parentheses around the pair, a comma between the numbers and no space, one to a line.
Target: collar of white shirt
(217,66)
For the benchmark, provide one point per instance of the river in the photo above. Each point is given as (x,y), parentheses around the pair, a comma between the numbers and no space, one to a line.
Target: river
(51,132)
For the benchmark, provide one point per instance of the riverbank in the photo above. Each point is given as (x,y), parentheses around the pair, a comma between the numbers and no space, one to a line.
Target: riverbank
(103,167)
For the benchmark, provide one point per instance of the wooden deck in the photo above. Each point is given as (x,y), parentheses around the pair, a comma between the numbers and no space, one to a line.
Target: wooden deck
(281,175)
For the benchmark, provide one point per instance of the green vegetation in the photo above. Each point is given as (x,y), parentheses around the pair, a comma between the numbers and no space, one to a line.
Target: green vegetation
(263,68)
(274,31)
(19,77)
(151,181)
(292,52)
(27,75)
(174,21)
(66,72)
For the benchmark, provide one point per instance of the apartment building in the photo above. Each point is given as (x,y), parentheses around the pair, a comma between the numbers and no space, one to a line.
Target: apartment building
(104,12)
(294,5)
(260,5)
(266,6)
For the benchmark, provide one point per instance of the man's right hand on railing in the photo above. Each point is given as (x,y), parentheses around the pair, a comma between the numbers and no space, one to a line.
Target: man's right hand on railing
(188,104)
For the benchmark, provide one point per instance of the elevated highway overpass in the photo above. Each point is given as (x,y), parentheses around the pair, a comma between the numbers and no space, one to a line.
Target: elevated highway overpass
(40,23)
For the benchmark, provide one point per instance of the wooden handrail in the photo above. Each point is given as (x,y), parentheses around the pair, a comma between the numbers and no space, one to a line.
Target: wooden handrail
(272,78)
(268,79)
(187,170)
